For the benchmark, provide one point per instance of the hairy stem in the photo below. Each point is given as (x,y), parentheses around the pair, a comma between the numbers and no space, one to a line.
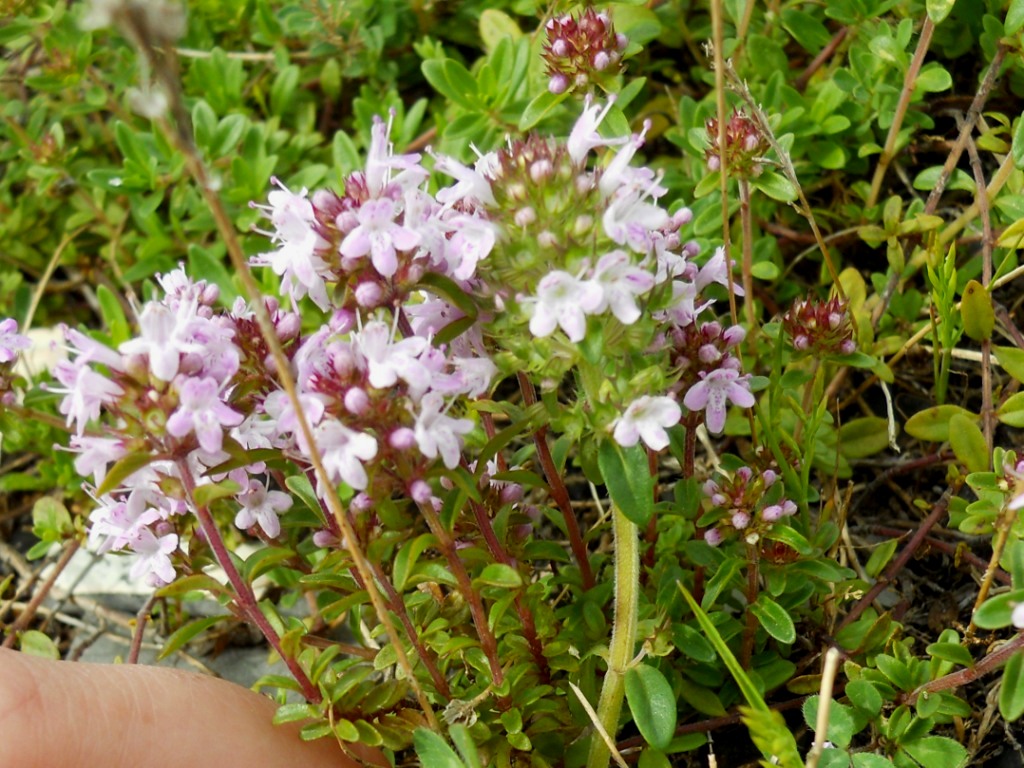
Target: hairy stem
(620,652)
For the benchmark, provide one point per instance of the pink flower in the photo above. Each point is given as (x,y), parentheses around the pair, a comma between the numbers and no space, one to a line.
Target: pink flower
(647,418)
(201,410)
(564,301)
(11,342)
(713,394)
(621,283)
(261,507)
(437,433)
(343,451)
(85,392)
(584,136)
(379,235)
(154,557)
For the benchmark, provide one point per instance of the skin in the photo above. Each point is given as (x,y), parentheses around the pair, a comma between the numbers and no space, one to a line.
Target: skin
(78,715)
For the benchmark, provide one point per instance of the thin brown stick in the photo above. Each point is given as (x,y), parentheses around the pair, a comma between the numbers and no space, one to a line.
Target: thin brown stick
(40,594)
(903,558)
(826,53)
(141,619)
(889,151)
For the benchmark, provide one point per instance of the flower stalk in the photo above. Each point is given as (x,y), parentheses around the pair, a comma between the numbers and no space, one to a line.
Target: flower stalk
(620,652)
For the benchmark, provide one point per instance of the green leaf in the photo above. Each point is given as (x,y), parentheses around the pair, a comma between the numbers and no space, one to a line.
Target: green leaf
(464,741)
(968,443)
(746,685)
(183,635)
(1011,413)
(1011,696)
(864,696)
(499,575)
(936,752)
(1014,19)
(203,263)
(841,724)
(36,643)
(113,315)
(652,703)
(539,108)
(282,92)
(1011,360)
(791,537)
(932,424)
(864,437)
(405,560)
(51,520)
(933,78)
(122,470)
(453,81)
(1017,149)
(995,612)
(953,652)
(979,318)
(206,494)
(628,479)
(774,618)
(776,186)
(880,557)
(496,26)
(432,750)
(867,760)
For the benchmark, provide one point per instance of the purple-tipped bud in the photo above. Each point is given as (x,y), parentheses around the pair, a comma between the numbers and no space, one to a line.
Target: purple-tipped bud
(558,84)
(789,507)
(560,47)
(709,354)
(524,217)
(511,493)
(601,61)
(420,491)
(740,520)
(713,537)
(771,513)
(357,401)
(734,335)
(369,295)
(714,163)
(710,487)
(361,502)
(848,347)
(744,474)
(402,439)
(769,476)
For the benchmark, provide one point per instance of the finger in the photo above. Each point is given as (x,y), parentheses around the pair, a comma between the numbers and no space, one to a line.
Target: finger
(122,716)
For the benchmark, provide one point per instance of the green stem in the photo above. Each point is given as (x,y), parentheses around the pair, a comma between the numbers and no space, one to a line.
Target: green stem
(620,652)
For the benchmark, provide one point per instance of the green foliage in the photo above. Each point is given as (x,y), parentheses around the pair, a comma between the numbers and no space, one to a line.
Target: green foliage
(287,89)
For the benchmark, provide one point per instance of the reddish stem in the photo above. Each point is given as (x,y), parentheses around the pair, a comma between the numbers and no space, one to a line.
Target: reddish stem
(244,597)
(558,490)
(903,558)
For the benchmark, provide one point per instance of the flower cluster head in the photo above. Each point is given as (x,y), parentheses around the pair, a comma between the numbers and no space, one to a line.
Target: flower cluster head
(709,370)
(820,327)
(581,50)
(747,502)
(744,149)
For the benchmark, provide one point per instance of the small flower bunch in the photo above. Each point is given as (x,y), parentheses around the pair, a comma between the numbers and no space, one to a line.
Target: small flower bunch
(709,371)
(581,50)
(745,502)
(12,344)
(744,149)
(820,327)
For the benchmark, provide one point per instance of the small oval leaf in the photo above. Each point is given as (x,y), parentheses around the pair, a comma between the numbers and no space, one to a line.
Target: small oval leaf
(968,443)
(932,424)
(979,317)
(652,703)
